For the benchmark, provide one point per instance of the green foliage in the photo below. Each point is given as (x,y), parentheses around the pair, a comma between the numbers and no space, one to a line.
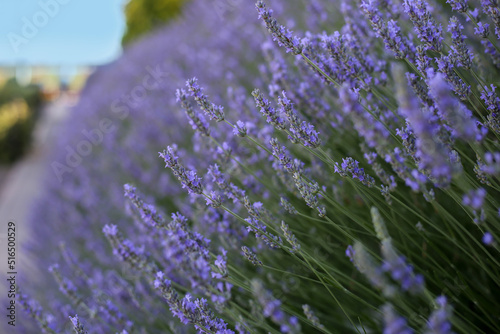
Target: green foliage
(145,15)
(15,136)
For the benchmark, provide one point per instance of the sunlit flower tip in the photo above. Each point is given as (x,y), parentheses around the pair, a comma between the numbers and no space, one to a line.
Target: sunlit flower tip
(251,256)
(290,237)
(458,5)
(379,224)
(110,230)
(281,35)
(240,129)
(488,239)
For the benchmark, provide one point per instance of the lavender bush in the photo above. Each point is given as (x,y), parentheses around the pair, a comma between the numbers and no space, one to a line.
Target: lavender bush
(338,178)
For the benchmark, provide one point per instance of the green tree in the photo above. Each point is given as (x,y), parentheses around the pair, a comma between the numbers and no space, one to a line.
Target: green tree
(144,15)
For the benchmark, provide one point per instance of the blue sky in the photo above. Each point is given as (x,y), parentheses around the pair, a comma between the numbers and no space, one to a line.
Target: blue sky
(60,32)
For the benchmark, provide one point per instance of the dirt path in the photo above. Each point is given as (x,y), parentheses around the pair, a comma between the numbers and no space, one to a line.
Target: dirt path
(21,184)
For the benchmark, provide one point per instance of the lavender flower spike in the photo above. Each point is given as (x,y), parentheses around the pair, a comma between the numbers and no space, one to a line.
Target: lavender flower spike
(78,327)
(302,132)
(379,224)
(273,116)
(251,256)
(458,5)
(393,323)
(197,121)
(450,110)
(280,34)
(390,32)
(429,32)
(459,52)
(290,237)
(312,317)
(400,271)
(188,178)
(439,319)
(213,111)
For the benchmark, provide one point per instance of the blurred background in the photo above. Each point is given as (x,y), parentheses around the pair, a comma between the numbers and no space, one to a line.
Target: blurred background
(48,50)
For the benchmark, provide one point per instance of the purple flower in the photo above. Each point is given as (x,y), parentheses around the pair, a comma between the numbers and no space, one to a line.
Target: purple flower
(475,198)
(251,256)
(272,309)
(280,34)
(390,32)
(438,322)
(110,230)
(197,121)
(429,32)
(240,129)
(491,99)
(458,5)
(393,323)
(482,30)
(400,271)
(273,117)
(188,178)
(349,252)
(290,237)
(302,132)
(450,110)
(78,327)
(488,239)
(349,165)
(459,52)
(213,111)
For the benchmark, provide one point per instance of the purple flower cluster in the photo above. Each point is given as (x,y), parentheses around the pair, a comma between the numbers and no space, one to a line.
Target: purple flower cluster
(280,34)
(188,178)
(429,32)
(393,323)
(439,319)
(351,166)
(400,270)
(373,134)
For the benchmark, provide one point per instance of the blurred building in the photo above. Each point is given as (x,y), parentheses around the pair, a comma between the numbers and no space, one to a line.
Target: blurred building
(51,79)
